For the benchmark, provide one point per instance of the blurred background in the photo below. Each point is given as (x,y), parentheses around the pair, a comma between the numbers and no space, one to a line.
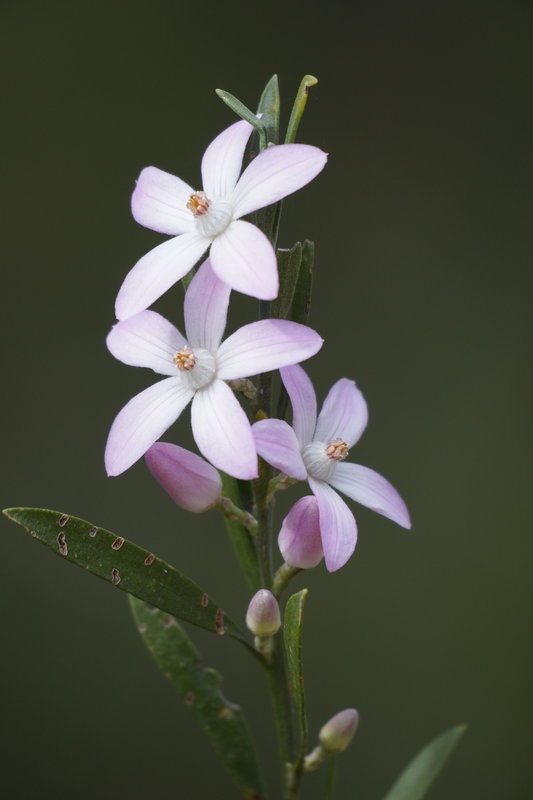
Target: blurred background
(421,295)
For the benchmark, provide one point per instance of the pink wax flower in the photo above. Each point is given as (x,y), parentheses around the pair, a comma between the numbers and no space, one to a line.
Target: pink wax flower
(299,539)
(189,480)
(197,368)
(315,449)
(241,255)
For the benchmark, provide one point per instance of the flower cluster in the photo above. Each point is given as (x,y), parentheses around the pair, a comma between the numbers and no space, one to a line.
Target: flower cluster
(198,367)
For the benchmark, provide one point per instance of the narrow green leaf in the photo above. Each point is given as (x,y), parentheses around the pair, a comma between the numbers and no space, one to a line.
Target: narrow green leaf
(292,634)
(269,108)
(126,566)
(244,113)
(301,305)
(289,262)
(418,776)
(299,107)
(222,722)
(241,540)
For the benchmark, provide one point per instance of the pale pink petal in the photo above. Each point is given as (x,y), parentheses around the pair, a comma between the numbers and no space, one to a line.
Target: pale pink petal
(303,400)
(222,431)
(371,490)
(142,421)
(265,345)
(146,340)
(206,309)
(157,271)
(344,414)
(243,258)
(299,538)
(159,201)
(222,161)
(190,481)
(275,173)
(276,442)
(337,525)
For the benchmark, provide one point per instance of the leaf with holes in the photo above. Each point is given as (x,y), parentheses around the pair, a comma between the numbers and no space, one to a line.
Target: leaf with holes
(126,566)
(418,776)
(222,722)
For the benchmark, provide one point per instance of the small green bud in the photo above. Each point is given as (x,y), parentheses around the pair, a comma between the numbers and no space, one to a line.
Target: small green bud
(263,617)
(336,735)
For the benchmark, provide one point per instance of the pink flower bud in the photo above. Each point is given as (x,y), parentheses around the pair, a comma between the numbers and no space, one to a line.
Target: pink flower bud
(190,481)
(336,735)
(263,617)
(299,538)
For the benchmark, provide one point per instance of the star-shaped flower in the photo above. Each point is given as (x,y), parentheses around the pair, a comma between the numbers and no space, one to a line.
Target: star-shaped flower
(241,255)
(314,450)
(197,368)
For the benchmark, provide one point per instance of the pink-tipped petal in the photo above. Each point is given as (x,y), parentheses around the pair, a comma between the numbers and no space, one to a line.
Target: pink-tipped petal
(337,525)
(243,257)
(371,490)
(206,308)
(146,340)
(303,400)
(344,414)
(190,481)
(276,442)
(265,345)
(142,421)
(157,271)
(159,202)
(222,431)
(222,161)
(299,538)
(275,173)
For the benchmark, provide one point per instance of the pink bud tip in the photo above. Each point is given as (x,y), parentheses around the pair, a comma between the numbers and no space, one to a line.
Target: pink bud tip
(336,735)
(190,481)
(263,617)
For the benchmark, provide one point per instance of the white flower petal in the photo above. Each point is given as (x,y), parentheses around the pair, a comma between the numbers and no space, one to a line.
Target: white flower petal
(222,161)
(243,257)
(146,340)
(265,345)
(222,431)
(344,414)
(371,490)
(159,201)
(157,271)
(303,401)
(142,421)
(337,525)
(275,173)
(206,309)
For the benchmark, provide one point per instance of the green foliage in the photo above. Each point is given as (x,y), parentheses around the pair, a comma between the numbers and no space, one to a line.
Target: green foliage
(199,687)
(244,112)
(418,776)
(292,633)
(299,107)
(243,545)
(126,566)
(289,268)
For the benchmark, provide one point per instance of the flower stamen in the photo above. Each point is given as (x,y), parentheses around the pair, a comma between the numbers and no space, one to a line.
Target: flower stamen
(184,359)
(198,204)
(337,450)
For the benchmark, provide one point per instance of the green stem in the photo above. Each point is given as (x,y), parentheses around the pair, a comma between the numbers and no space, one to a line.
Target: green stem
(282,578)
(330,780)
(282,705)
(233,512)
(299,107)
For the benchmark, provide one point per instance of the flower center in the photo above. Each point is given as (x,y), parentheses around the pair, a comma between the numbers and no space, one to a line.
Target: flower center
(198,204)
(211,217)
(337,450)
(184,359)
(196,368)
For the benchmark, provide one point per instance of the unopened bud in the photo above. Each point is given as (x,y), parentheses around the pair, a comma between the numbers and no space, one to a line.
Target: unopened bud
(336,735)
(263,617)
(190,481)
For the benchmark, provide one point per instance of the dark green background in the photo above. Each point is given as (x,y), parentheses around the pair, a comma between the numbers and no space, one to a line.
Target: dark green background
(421,295)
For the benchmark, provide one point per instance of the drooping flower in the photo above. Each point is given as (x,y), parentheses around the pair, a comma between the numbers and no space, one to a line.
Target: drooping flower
(197,368)
(241,255)
(315,449)
(189,480)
